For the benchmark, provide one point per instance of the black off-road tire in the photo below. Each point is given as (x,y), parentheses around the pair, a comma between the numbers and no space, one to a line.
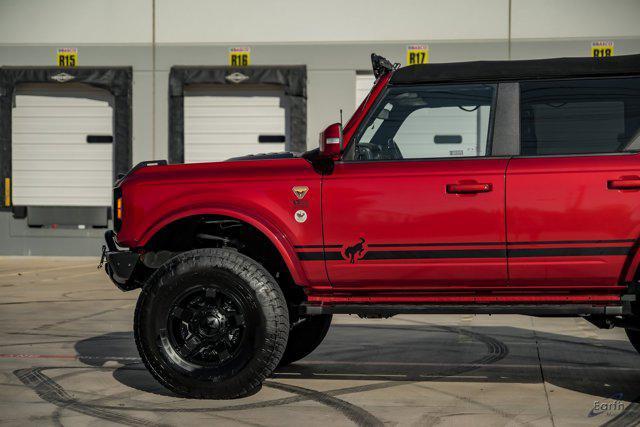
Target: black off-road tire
(262,336)
(306,335)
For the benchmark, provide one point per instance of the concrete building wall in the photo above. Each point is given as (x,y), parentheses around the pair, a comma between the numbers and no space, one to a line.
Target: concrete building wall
(332,38)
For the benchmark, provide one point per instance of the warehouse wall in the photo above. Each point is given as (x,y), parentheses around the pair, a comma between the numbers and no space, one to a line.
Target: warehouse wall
(332,38)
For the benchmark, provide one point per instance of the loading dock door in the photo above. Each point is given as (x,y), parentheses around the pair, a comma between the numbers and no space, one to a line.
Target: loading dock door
(62,154)
(223,122)
(364,83)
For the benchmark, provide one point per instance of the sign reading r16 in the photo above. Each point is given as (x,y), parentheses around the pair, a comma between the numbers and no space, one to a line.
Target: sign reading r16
(239,59)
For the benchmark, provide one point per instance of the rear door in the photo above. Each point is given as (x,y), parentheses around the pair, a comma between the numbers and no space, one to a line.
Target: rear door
(573,196)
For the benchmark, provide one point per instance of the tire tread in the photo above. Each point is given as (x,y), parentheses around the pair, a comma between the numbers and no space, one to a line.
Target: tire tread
(266,289)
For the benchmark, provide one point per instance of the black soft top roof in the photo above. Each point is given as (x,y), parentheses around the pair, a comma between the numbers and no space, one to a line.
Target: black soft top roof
(517,70)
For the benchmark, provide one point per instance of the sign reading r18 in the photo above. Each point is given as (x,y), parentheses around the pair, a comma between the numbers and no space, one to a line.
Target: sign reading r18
(602,49)
(600,52)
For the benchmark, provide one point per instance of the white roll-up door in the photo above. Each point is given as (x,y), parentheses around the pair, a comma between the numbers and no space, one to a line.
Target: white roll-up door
(364,83)
(220,123)
(53,164)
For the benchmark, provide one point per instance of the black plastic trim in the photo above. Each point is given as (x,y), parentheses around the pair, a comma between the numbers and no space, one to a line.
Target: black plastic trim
(271,139)
(120,267)
(529,310)
(99,139)
(506,122)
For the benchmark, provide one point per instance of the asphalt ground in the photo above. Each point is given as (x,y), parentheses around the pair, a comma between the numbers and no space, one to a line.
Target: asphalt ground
(67,357)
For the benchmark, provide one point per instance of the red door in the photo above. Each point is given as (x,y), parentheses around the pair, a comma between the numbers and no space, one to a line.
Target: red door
(572,220)
(415,224)
(573,205)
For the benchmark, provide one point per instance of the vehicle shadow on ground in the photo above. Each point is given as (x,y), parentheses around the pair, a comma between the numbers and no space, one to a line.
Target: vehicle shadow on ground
(427,352)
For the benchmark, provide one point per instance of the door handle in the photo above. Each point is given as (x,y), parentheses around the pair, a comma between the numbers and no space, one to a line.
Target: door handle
(630,183)
(469,188)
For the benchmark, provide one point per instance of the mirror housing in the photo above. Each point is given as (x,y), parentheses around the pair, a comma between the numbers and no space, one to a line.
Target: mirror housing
(331,143)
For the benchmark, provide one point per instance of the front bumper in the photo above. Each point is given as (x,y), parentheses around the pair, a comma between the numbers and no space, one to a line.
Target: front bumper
(120,265)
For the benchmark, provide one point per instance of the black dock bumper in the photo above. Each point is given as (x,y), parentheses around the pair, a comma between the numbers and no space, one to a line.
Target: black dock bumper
(120,265)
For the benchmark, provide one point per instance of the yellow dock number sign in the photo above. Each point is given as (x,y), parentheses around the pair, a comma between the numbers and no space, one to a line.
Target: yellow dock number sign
(240,56)
(601,49)
(417,54)
(67,57)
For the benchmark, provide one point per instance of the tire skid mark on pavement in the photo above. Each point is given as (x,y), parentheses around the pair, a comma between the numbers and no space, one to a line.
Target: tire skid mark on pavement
(50,391)
(510,417)
(46,387)
(630,416)
(358,415)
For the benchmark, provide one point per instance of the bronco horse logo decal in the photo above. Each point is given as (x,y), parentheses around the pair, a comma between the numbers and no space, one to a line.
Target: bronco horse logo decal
(355,252)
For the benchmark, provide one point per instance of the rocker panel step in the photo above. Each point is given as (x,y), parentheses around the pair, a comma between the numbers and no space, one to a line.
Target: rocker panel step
(529,310)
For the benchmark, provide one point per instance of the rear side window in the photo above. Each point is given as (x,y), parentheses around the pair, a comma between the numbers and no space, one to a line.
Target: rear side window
(579,116)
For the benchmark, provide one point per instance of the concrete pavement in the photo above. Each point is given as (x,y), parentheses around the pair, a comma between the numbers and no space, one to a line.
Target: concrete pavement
(67,357)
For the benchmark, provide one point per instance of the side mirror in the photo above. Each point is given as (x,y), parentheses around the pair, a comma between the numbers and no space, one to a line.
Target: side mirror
(331,141)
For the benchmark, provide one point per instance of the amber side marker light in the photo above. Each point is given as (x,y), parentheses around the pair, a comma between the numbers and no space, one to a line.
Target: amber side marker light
(119,208)
(7,191)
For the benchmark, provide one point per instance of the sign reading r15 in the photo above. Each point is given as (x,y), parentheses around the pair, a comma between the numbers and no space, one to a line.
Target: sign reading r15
(67,57)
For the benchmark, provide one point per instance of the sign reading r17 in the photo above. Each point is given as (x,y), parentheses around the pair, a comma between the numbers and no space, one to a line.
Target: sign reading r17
(417,57)
(417,54)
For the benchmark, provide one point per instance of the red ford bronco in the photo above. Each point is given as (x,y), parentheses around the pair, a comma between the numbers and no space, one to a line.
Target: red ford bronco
(480,187)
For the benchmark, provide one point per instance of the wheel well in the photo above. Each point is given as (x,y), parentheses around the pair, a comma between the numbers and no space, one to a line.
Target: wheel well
(217,231)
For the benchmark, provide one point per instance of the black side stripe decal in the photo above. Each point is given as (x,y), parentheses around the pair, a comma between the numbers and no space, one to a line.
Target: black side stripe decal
(319,256)
(472,253)
(316,246)
(570,242)
(611,250)
(409,245)
(404,245)
(477,253)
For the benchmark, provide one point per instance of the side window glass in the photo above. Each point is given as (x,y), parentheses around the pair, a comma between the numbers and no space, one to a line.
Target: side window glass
(579,116)
(435,121)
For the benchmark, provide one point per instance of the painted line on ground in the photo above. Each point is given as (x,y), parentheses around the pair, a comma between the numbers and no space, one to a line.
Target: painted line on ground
(44,270)
(65,356)
(329,362)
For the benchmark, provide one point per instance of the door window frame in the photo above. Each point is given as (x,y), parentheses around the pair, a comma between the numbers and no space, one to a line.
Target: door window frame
(628,150)
(504,122)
